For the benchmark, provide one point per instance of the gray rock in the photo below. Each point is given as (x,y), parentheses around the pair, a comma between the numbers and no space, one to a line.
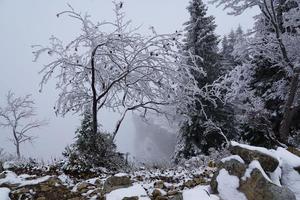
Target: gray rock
(176,197)
(256,187)
(267,162)
(116,182)
(233,167)
(131,198)
(297,169)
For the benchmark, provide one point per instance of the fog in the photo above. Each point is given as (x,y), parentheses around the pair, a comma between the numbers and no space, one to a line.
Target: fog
(28,22)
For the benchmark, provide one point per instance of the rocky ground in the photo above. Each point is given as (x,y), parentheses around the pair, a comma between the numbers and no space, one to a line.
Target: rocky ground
(251,173)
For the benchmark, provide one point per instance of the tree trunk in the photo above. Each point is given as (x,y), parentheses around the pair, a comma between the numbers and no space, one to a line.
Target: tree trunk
(288,110)
(18,150)
(17,142)
(94,91)
(94,106)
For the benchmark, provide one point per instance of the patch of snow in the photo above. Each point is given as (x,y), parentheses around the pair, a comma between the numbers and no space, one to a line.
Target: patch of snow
(4,193)
(255,165)
(34,181)
(233,157)
(276,176)
(93,180)
(12,178)
(66,180)
(288,157)
(199,192)
(290,177)
(8,164)
(135,190)
(121,174)
(227,186)
(253,148)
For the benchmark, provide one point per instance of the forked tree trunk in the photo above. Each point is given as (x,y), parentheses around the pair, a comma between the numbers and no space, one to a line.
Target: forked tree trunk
(285,124)
(94,91)
(17,143)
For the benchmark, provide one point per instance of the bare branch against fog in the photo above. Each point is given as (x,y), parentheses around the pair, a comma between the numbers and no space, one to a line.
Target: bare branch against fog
(18,116)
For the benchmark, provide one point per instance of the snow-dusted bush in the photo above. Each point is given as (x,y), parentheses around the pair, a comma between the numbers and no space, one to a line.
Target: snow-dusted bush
(214,155)
(92,151)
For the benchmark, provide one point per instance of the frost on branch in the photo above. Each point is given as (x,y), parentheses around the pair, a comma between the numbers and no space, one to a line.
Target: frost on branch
(131,71)
(17,115)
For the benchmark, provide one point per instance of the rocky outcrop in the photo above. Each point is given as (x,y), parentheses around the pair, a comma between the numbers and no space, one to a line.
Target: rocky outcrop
(116,182)
(267,162)
(252,167)
(257,187)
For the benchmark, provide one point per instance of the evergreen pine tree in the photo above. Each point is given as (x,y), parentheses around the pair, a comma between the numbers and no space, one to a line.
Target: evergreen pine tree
(92,151)
(201,40)
(269,78)
(203,132)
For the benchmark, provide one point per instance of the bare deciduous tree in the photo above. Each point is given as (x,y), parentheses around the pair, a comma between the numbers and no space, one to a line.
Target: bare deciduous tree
(119,69)
(17,115)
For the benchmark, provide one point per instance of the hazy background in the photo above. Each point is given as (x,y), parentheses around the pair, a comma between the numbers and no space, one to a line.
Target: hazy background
(27,22)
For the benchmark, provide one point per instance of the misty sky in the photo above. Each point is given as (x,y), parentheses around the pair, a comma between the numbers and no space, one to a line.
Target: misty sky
(27,22)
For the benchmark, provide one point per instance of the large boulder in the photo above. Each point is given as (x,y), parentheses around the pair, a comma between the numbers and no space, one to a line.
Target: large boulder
(249,177)
(116,182)
(233,166)
(267,162)
(257,187)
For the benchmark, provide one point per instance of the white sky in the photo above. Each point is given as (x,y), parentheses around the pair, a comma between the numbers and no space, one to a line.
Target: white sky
(27,22)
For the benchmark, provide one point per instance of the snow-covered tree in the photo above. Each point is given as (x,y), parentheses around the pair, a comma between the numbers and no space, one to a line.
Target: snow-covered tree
(228,58)
(274,55)
(18,116)
(201,40)
(120,69)
(203,131)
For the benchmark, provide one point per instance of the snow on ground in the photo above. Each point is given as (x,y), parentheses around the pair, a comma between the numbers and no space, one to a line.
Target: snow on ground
(229,191)
(255,165)
(233,157)
(4,193)
(135,190)
(254,148)
(12,178)
(66,180)
(199,193)
(121,174)
(290,177)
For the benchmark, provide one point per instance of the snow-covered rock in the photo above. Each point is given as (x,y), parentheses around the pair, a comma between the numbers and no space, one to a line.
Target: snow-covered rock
(258,173)
(267,159)
(116,182)
(228,186)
